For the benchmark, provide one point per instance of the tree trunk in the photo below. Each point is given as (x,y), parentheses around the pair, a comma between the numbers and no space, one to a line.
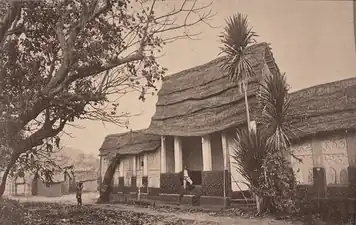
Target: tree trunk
(106,188)
(261,204)
(247,107)
(6,173)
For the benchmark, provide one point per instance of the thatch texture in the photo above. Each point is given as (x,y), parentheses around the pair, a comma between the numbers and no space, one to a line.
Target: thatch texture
(130,143)
(324,108)
(203,100)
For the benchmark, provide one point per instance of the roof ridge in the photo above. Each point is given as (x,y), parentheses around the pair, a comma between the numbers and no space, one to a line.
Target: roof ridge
(323,84)
(128,132)
(202,66)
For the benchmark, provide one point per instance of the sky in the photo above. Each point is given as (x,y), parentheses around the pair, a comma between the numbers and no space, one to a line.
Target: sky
(312,42)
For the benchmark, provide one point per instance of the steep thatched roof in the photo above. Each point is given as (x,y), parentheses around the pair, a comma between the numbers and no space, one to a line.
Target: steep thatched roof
(202,100)
(324,108)
(130,143)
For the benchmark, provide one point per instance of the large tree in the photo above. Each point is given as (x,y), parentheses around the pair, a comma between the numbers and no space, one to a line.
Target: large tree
(61,60)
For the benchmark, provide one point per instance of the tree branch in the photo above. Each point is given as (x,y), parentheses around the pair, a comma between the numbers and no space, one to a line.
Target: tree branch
(13,15)
(62,79)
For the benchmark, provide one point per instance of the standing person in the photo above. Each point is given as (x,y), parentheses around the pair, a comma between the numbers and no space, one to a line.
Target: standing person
(79,193)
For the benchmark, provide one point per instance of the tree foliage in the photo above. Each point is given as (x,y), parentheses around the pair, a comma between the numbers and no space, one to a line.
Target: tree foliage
(259,155)
(235,39)
(249,155)
(64,60)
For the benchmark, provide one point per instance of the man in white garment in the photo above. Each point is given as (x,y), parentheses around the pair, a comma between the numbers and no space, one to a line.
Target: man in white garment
(186,178)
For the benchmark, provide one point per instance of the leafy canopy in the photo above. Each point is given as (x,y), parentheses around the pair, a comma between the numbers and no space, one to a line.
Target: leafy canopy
(64,60)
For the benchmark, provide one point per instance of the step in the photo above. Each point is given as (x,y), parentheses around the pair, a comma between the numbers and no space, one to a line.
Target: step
(243,201)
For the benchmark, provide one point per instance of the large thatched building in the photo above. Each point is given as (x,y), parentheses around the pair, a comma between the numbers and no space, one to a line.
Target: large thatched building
(197,113)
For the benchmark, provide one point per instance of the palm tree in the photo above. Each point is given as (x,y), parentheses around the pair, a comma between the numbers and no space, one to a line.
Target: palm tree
(256,152)
(237,36)
(275,102)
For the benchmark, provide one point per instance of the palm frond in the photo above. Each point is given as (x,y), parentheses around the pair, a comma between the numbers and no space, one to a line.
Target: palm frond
(237,36)
(274,99)
(249,154)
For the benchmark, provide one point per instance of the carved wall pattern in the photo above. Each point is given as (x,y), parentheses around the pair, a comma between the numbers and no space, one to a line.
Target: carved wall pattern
(334,145)
(302,169)
(335,159)
(302,149)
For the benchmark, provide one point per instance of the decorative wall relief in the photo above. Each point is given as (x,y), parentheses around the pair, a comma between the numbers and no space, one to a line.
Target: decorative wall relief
(344,177)
(302,149)
(334,144)
(335,159)
(331,177)
(302,169)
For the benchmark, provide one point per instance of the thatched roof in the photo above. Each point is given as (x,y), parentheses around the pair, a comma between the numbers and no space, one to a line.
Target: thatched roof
(324,108)
(203,100)
(129,143)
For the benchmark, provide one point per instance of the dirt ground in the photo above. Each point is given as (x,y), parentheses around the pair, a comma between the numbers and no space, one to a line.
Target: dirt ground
(165,217)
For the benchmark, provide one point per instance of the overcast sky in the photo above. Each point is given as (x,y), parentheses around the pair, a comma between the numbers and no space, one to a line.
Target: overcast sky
(312,42)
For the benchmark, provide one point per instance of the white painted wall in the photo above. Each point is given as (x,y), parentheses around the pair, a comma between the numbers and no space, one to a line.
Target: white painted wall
(128,166)
(154,168)
(117,175)
(237,180)
(139,169)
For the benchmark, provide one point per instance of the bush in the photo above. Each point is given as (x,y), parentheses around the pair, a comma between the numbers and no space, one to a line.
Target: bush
(280,186)
(11,212)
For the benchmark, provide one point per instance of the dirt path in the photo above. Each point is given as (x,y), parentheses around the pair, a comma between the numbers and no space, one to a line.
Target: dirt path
(196,218)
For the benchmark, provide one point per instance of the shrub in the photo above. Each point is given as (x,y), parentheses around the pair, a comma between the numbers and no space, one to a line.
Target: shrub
(280,186)
(11,212)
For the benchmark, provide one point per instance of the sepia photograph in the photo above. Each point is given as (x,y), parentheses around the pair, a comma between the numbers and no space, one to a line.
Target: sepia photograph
(178,112)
